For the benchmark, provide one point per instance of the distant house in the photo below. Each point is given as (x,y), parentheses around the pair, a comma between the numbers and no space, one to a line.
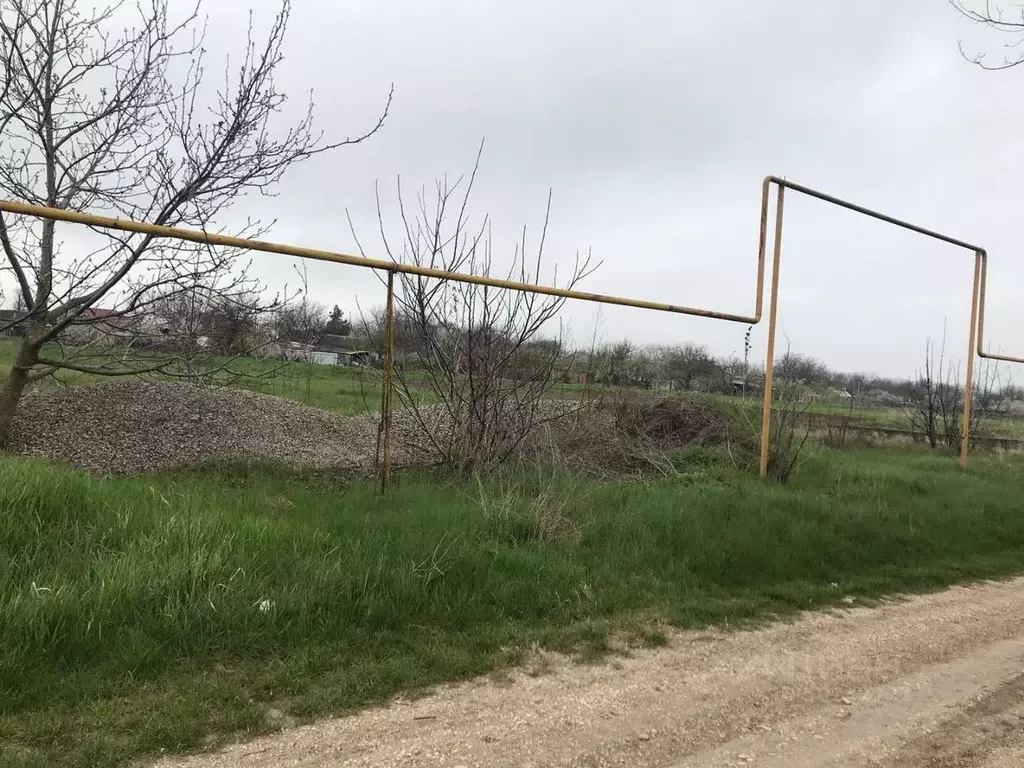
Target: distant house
(289,350)
(97,325)
(740,386)
(330,349)
(348,350)
(358,357)
(105,320)
(9,323)
(332,342)
(106,315)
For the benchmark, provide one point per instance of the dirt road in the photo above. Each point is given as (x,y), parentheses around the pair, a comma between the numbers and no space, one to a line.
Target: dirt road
(931,681)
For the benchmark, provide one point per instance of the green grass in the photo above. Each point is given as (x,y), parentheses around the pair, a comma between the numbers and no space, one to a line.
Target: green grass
(344,389)
(130,618)
(348,390)
(749,411)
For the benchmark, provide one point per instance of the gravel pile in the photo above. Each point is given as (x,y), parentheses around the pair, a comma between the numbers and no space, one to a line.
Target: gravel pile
(131,427)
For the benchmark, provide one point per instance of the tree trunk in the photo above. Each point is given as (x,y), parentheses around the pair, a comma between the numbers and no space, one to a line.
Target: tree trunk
(10,395)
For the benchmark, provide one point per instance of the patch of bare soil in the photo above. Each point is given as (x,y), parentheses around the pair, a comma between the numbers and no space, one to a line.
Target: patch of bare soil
(930,681)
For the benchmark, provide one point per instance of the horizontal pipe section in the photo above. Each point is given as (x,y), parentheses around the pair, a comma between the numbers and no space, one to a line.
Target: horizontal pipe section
(981,252)
(873,214)
(198,236)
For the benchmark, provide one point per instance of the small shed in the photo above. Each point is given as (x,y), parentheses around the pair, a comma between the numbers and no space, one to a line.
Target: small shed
(357,357)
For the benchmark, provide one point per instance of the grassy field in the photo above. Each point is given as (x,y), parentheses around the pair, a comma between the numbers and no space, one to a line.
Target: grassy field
(897,418)
(166,613)
(867,416)
(343,389)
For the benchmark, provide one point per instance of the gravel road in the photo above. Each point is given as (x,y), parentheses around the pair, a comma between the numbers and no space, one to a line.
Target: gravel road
(934,681)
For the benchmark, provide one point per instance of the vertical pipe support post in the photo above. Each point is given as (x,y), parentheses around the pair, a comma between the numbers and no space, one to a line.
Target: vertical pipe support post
(773,311)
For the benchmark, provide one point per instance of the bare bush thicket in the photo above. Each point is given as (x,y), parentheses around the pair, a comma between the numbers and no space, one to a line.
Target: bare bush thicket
(303,322)
(195,335)
(626,432)
(837,426)
(936,403)
(485,354)
(790,426)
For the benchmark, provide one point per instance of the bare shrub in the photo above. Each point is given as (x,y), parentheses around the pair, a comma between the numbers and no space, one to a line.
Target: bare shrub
(790,431)
(789,426)
(484,354)
(837,425)
(936,402)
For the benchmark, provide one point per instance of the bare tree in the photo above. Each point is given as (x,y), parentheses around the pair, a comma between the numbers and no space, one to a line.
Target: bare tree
(303,322)
(929,401)
(199,335)
(482,352)
(1006,18)
(683,364)
(409,338)
(103,108)
(597,334)
(613,363)
(644,370)
(731,370)
(1012,393)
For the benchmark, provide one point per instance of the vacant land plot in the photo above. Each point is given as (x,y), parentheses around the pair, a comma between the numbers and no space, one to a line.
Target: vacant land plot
(168,612)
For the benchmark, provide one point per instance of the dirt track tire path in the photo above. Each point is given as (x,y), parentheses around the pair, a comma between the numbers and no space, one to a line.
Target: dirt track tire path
(933,681)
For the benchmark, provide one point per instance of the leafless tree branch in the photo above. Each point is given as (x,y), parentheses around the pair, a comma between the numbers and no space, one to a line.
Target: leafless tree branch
(108,108)
(1006,18)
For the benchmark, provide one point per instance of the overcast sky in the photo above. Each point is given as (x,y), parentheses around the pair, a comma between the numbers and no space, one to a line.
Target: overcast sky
(654,123)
